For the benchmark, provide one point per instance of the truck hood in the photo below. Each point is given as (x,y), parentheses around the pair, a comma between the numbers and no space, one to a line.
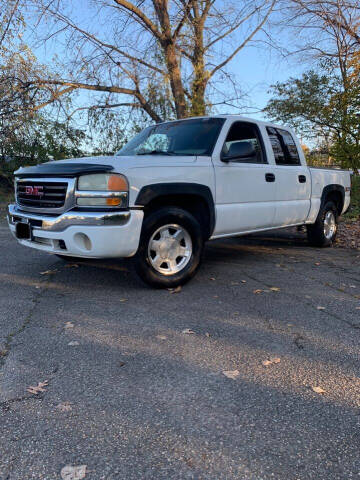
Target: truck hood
(78,166)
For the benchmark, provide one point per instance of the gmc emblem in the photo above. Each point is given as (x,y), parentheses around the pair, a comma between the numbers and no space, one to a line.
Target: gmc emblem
(36,191)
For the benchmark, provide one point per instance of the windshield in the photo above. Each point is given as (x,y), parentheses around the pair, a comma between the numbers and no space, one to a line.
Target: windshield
(183,137)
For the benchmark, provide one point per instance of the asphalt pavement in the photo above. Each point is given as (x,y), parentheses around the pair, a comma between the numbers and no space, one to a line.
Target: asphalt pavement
(133,378)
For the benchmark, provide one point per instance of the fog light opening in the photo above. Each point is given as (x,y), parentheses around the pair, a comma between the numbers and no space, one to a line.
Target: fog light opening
(82,241)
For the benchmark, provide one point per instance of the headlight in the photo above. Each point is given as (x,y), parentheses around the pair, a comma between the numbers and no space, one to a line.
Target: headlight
(104,189)
(103,181)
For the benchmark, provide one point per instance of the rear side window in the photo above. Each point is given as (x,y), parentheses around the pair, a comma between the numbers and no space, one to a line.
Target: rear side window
(284,147)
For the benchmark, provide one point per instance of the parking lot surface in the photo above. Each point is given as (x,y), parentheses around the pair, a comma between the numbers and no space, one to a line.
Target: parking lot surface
(133,378)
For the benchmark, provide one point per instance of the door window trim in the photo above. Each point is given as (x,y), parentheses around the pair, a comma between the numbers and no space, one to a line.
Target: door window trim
(284,149)
(260,139)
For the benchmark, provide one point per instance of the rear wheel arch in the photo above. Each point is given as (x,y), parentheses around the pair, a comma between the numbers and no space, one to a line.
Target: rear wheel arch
(197,199)
(336,194)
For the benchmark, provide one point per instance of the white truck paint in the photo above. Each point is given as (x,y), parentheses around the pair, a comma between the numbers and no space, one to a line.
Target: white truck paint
(246,195)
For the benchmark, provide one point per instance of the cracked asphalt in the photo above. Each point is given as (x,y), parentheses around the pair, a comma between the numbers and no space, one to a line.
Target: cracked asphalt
(132,397)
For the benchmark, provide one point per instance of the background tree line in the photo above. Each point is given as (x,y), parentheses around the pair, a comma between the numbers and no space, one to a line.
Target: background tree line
(129,63)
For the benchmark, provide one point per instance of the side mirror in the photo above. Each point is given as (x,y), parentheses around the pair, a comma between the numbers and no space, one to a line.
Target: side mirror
(239,150)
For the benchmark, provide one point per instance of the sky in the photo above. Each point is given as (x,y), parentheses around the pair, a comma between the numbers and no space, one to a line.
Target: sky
(255,68)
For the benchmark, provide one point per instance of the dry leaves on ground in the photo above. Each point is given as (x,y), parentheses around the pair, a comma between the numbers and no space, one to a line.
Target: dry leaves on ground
(175,290)
(64,407)
(188,331)
(320,308)
(318,390)
(275,289)
(231,374)
(39,388)
(48,272)
(271,361)
(161,337)
(257,291)
(349,234)
(70,472)
(69,325)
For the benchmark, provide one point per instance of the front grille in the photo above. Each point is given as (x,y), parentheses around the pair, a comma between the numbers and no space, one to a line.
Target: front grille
(41,194)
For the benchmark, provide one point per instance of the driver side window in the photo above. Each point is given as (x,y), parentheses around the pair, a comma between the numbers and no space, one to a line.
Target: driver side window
(248,135)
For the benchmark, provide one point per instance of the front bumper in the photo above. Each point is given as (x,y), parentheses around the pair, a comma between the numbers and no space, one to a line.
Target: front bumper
(81,233)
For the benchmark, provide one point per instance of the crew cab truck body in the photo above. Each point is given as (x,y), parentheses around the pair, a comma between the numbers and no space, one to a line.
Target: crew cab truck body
(171,188)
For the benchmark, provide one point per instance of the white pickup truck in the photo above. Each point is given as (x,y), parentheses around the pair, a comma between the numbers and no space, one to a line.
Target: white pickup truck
(173,187)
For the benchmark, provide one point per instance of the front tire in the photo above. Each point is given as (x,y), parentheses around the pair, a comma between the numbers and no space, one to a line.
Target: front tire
(323,232)
(170,249)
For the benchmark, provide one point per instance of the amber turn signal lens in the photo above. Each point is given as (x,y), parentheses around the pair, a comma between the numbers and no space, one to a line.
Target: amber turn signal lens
(116,183)
(113,202)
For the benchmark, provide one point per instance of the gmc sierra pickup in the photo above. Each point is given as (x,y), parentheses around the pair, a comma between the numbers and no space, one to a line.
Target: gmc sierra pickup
(173,187)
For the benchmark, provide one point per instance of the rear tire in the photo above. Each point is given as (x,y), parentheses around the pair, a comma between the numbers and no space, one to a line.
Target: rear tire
(170,250)
(323,232)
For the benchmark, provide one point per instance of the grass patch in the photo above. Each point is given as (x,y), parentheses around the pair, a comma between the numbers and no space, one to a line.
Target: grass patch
(354,211)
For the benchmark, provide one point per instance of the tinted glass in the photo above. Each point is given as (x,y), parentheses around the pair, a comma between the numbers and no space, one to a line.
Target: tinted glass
(184,137)
(284,147)
(244,132)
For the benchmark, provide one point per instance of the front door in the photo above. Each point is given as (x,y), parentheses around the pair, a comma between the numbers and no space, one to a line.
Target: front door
(245,182)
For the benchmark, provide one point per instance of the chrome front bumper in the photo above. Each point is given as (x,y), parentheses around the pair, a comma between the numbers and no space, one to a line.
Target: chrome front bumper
(60,222)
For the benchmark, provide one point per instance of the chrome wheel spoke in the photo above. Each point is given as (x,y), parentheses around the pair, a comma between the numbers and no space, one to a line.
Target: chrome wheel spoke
(183,251)
(157,261)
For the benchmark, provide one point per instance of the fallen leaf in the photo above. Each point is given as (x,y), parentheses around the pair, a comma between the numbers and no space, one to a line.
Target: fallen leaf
(188,331)
(69,325)
(39,388)
(73,343)
(317,263)
(318,390)
(48,272)
(243,281)
(161,337)
(64,407)
(175,290)
(320,308)
(257,291)
(231,373)
(213,279)
(71,265)
(207,334)
(123,299)
(70,472)
(275,289)
(271,361)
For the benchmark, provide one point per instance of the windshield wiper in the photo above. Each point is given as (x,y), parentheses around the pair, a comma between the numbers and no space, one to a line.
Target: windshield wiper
(157,152)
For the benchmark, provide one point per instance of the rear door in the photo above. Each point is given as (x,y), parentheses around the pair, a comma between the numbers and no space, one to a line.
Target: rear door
(292,179)
(245,187)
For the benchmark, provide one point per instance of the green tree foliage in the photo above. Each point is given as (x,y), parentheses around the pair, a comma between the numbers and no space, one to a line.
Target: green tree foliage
(321,106)
(37,140)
